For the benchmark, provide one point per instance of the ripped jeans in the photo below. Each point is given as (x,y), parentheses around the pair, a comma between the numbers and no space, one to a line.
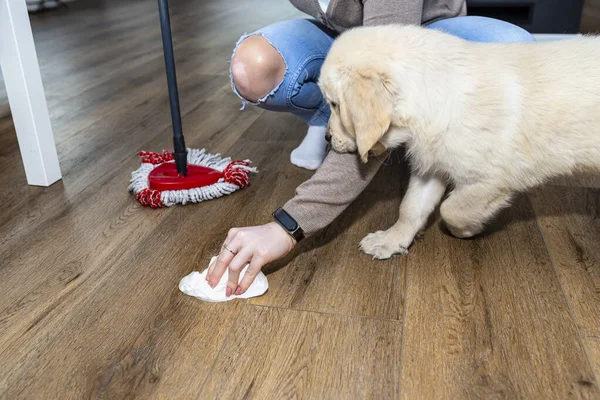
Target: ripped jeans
(304,44)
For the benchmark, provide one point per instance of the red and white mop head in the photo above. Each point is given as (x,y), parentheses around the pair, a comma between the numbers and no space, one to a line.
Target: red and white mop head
(156,183)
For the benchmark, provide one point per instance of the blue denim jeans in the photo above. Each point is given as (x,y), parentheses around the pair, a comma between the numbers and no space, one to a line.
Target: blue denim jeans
(304,44)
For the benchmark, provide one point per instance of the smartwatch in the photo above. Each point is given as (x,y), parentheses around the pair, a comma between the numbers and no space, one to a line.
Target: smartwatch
(289,224)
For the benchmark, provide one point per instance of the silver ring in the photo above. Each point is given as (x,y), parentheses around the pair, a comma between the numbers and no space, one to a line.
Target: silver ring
(228,249)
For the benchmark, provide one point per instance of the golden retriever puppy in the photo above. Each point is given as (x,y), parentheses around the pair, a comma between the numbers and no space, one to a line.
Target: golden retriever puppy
(487,119)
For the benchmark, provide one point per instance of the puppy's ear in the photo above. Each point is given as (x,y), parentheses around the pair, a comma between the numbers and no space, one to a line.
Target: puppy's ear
(366,107)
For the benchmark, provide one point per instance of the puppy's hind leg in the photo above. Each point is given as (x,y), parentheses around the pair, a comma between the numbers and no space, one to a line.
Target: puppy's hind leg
(468,208)
(423,195)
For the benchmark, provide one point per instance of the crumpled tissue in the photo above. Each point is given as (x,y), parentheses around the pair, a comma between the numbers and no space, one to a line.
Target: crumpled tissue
(195,285)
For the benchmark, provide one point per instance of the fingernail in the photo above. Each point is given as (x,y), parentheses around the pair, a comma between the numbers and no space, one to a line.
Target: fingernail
(238,290)
(228,291)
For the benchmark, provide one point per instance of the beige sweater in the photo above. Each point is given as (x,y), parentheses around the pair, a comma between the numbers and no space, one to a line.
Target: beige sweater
(342,177)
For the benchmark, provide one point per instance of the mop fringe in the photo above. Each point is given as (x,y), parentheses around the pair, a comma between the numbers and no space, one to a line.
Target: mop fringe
(235,177)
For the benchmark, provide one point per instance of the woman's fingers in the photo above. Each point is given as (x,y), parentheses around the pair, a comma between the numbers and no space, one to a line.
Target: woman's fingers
(235,267)
(217,269)
(254,268)
(211,267)
(228,255)
(256,245)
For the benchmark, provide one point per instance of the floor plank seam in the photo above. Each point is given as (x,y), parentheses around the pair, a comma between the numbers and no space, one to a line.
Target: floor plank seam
(404,307)
(327,313)
(564,293)
(212,367)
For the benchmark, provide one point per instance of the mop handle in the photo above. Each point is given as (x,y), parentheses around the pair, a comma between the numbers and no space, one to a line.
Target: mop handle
(180,151)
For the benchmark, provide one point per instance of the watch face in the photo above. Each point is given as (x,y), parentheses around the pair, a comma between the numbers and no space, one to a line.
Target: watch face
(286,220)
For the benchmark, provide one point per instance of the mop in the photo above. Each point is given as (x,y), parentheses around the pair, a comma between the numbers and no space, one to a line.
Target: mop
(185,175)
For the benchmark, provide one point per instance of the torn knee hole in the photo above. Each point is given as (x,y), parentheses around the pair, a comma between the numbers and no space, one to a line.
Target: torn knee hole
(257,68)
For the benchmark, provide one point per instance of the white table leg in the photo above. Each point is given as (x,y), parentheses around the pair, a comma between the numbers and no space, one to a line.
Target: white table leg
(23,82)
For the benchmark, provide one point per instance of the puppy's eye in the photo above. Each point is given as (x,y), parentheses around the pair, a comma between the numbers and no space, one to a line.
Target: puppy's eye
(334,104)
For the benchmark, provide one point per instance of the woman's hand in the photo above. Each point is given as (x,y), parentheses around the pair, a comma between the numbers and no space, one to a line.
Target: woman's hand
(257,245)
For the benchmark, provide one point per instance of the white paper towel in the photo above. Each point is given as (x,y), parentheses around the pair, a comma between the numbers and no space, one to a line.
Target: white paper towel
(195,285)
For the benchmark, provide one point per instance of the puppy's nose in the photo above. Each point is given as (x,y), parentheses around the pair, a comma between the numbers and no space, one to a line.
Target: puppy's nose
(328,136)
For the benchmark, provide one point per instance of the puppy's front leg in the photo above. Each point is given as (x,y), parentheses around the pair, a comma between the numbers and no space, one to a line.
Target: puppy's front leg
(423,195)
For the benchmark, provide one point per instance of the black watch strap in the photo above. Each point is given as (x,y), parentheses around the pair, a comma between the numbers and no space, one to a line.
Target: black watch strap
(289,224)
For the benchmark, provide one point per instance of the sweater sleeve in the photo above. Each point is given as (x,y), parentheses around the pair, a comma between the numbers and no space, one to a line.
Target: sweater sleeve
(386,12)
(335,185)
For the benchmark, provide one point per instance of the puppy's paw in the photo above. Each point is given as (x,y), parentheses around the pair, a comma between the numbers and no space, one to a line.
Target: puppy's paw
(382,245)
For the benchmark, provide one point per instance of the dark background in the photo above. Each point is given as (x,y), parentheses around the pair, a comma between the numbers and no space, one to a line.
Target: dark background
(542,16)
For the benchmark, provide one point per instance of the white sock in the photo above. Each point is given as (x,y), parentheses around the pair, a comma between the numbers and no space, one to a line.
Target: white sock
(313,149)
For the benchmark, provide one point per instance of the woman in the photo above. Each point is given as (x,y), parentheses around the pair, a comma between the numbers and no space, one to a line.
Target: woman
(276,68)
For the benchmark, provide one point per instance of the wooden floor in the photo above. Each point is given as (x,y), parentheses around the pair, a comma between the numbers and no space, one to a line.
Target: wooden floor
(89,305)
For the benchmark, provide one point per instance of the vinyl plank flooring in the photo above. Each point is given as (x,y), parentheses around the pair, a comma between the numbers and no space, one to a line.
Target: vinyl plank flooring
(487,318)
(308,355)
(130,331)
(88,155)
(106,57)
(109,139)
(82,222)
(89,305)
(121,285)
(92,15)
(570,221)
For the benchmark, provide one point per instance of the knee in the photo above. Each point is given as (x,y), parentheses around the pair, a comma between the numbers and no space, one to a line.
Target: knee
(459,223)
(515,34)
(505,32)
(256,68)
